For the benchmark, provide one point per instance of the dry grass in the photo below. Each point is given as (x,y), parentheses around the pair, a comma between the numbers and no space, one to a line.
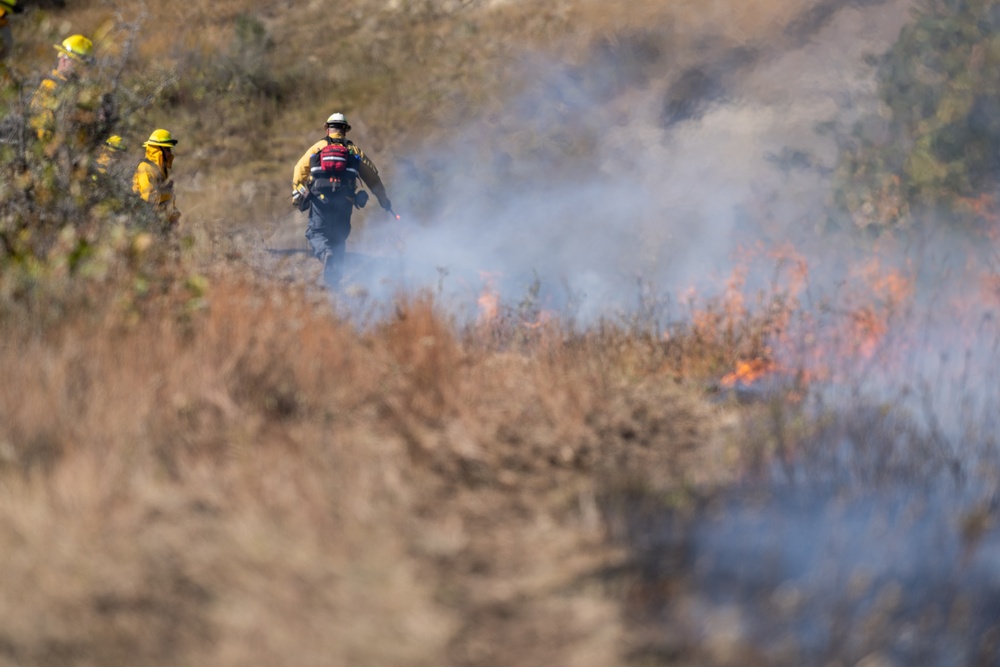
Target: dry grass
(263,484)
(242,477)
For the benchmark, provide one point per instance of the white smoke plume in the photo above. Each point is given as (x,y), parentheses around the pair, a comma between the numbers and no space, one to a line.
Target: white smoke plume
(681,165)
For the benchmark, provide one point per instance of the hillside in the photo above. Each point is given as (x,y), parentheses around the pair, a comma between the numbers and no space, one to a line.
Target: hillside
(604,396)
(456,113)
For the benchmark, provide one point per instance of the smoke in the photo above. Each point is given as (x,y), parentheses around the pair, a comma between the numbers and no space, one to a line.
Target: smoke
(803,575)
(640,165)
(596,182)
(644,168)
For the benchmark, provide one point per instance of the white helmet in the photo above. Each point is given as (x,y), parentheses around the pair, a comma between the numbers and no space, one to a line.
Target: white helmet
(338,119)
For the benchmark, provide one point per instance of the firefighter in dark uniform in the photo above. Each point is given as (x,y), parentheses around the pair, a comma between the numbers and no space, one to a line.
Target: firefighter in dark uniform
(7,8)
(324,182)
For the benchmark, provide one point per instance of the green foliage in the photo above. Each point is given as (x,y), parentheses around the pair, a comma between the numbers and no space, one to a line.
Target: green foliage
(70,224)
(939,147)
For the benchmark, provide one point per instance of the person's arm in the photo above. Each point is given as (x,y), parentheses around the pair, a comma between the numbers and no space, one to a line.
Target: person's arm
(300,174)
(369,176)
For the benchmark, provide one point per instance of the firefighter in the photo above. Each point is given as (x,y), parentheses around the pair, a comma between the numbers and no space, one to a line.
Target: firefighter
(324,182)
(112,178)
(110,155)
(67,108)
(151,180)
(7,8)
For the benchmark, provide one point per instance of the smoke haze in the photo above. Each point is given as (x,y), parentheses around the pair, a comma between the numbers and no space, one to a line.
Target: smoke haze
(658,180)
(647,169)
(691,163)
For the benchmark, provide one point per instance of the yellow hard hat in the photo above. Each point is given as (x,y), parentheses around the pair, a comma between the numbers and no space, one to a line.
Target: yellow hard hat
(76,47)
(11,6)
(115,142)
(160,138)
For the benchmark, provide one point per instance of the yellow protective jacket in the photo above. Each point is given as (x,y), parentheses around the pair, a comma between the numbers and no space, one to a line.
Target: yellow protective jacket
(105,159)
(44,104)
(151,182)
(67,108)
(366,171)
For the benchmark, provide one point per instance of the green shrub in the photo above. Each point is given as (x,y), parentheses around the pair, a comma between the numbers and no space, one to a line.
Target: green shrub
(940,145)
(69,226)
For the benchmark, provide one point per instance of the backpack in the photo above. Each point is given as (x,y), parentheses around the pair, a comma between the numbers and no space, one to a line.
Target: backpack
(334,166)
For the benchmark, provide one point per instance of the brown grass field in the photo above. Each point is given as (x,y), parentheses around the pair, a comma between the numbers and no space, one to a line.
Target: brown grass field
(268,486)
(205,463)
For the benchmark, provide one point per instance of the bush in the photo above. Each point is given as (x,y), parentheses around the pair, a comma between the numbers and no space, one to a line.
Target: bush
(69,222)
(940,146)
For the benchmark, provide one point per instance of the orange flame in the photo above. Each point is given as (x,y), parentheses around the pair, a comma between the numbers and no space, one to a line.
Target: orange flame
(885,293)
(983,206)
(748,372)
(489,299)
(867,330)
(876,297)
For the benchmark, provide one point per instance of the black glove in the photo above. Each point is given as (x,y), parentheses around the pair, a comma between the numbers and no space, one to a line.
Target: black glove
(385,203)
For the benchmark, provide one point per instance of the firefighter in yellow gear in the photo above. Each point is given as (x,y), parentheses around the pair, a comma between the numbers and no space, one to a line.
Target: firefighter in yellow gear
(112,179)
(66,107)
(110,154)
(331,197)
(151,180)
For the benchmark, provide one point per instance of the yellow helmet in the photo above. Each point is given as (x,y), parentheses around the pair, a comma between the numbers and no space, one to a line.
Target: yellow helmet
(76,47)
(11,6)
(160,138)
(114,142)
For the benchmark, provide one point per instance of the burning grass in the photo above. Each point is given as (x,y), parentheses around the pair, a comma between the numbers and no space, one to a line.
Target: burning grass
(247,476)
